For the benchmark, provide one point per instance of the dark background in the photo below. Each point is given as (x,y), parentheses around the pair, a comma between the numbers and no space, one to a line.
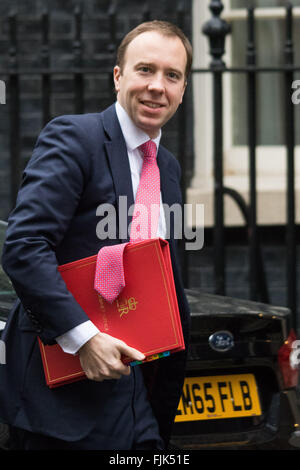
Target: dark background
(97,51)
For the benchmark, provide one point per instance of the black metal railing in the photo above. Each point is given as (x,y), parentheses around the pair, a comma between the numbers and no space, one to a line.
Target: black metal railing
(216,29)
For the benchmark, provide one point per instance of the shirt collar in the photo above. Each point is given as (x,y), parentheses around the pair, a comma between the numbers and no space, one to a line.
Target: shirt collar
(133,135)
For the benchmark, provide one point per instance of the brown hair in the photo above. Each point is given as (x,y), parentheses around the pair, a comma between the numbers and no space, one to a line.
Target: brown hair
(163,27)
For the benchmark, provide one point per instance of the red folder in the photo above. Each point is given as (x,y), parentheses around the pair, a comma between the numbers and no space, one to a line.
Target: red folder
(145,315)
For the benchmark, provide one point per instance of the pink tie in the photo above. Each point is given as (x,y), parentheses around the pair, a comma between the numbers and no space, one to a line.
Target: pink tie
(109,277)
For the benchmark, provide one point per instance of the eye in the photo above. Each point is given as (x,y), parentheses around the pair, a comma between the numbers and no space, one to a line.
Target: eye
(144,69)
(173,76)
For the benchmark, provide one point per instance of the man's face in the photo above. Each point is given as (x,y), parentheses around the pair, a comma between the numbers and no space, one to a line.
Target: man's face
(151,85)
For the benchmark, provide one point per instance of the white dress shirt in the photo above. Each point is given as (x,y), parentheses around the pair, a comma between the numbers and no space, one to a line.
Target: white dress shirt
(72,340)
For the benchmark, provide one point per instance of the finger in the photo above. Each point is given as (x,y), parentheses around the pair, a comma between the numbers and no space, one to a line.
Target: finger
(113,370)
(112,376)
(91,376)
(132,353)
(101,377)
(118,368)
(124,369)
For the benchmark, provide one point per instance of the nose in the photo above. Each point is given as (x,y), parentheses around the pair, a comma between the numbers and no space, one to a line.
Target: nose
(156,84)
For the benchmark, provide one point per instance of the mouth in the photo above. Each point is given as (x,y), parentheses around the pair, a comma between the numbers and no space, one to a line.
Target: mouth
(152,105)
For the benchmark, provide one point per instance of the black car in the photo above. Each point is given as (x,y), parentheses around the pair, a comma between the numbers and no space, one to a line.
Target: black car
(241,386)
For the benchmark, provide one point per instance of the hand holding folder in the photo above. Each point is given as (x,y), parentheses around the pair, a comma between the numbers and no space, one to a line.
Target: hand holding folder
(145,315)
(101,357)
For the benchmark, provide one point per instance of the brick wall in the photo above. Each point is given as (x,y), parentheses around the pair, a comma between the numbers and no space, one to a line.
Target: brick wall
(96,52)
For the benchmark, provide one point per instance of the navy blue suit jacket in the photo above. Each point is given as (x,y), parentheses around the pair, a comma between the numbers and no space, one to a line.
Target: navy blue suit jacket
(78,163)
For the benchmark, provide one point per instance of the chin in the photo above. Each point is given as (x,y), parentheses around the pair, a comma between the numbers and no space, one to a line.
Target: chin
(149,128)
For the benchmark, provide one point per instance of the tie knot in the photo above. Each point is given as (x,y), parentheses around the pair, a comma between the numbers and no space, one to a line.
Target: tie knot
(148,149)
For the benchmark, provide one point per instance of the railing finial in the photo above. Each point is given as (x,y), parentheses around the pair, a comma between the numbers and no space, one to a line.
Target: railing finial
(216,29)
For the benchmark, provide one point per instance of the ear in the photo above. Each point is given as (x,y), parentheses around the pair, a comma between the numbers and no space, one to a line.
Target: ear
(117,76)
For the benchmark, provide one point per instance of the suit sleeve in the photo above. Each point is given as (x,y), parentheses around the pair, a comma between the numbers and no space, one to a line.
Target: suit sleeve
(50,191)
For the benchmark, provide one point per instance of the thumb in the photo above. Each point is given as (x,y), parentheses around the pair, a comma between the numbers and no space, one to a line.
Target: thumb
(132,353)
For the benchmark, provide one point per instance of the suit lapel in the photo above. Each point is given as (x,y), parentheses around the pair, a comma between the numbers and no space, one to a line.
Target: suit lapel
(119,165)
(164,177)
(167,186)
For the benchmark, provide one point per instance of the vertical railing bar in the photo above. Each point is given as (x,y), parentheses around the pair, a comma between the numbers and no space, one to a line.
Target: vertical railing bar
(182,157)
(257,279)
(146,12)
(14,110)
(290,144)
(216,29)
(251,102)
(182,115)
(77,51)
(112,18)
(46,91)
(112,24)
(219,232)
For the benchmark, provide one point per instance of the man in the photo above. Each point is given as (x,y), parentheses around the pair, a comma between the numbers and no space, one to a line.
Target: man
(79,163)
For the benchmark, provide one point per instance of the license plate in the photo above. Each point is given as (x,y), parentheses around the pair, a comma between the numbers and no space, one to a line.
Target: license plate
(221,396)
